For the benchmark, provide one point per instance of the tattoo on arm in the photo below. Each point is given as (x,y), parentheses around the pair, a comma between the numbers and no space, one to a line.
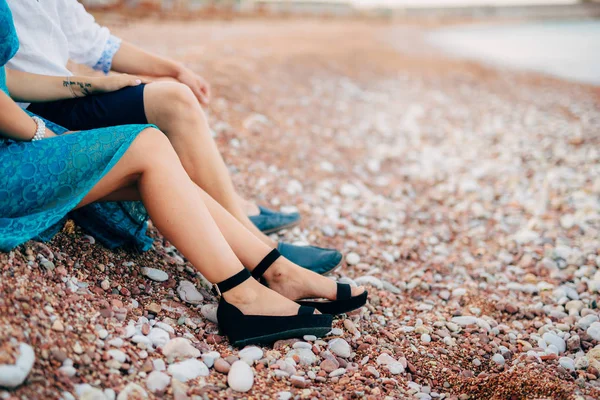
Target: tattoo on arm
(84,87)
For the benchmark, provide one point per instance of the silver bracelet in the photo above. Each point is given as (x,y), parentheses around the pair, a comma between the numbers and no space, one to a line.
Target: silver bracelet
(71,87)
(40,132)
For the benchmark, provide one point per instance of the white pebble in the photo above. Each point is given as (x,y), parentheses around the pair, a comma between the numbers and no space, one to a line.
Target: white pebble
(340,348)
(352,258)
(498,359)
(240,377)
(13,375)
(157,381)
(188,369)
(155,274)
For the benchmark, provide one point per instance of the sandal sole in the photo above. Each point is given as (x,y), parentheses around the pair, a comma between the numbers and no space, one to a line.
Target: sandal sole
(280,228)
(291,334)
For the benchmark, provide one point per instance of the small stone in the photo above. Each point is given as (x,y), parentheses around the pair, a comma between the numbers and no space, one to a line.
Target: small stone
(189,369)
(58,326)
(159,365)
(594,331)
(552,338)
(222,366)
(102,334)
(349,190)
(336,332)
(77,348)
(157,381)
(13,375)
(88,392)
(188,293)
(105,285)
(117,355)
(305,356)
(352,258)
(498,359)
(141,339)
(115,342)
(425,338)
(337,372)
(158,337)
(329,365)
(298,381)
(587,321)
(465,320)
(395,368)
(179,389)
(180,347)
(132,391)
(251,354)
(240,377)
(284,395)
(340,348)
(155,274)
(209,358)
(567,363)
(209,311)
(153,308)
(369,280)
(385,359)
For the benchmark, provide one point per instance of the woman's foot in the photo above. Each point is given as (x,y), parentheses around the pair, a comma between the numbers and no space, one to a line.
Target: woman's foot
(295,282)
(252,298)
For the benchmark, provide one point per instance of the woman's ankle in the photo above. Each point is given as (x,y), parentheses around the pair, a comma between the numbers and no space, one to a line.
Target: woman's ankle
(246,293)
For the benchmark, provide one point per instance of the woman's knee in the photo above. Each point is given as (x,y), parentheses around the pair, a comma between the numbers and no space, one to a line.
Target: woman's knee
(153,147)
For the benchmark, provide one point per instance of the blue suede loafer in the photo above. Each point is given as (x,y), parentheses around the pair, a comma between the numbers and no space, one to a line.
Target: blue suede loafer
(269,221)
(316,259)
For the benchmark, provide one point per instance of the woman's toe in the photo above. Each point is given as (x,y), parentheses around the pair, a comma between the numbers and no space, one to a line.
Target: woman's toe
(358,290)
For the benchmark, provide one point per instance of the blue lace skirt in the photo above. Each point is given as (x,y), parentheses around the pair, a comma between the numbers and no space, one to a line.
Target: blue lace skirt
(42,182)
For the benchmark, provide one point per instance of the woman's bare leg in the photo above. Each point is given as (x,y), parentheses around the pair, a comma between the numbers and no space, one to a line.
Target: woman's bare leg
(177,209)
(284,277)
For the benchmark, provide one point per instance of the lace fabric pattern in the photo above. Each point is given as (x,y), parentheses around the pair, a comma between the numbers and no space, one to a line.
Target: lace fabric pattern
(43,181)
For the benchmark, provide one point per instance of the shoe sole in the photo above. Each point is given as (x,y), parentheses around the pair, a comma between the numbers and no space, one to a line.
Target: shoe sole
(294,333)
(280,228)
(332,270)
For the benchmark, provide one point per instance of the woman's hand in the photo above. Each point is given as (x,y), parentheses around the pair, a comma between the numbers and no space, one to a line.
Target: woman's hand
(106,84)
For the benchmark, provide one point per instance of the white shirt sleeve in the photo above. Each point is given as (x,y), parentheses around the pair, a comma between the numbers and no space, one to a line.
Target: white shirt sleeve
(88,41)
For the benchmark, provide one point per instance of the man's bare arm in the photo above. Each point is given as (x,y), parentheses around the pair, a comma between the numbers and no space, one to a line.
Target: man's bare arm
(130,59)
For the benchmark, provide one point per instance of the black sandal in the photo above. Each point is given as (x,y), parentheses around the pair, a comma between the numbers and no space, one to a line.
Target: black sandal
(344,302)
(243,330)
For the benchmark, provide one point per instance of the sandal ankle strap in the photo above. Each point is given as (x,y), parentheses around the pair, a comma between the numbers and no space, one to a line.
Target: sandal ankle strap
(233,281)
(266,262)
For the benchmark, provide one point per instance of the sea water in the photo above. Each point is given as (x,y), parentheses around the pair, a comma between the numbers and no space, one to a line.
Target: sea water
(566,49)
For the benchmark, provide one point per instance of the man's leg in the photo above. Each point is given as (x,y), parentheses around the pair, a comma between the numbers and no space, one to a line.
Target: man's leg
(175,110)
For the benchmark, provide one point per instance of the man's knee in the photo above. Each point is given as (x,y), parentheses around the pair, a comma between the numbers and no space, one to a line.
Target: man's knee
(170,99)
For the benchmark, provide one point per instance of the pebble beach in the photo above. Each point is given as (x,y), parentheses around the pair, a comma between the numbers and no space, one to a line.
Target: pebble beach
(465,198)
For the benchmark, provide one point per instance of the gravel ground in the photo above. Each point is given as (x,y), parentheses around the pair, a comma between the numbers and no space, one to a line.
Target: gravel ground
(466,198)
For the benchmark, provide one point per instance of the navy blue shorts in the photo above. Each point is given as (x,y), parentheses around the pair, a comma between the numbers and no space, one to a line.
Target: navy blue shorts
(123,107)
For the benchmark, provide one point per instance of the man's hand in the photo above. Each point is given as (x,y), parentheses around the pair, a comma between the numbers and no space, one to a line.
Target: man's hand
(198,84)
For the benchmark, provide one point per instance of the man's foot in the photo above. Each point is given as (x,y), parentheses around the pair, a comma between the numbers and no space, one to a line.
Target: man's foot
(297,283)
(269,221)
(316,259)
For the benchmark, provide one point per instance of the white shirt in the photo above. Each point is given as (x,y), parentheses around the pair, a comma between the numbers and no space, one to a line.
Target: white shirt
(53,31)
